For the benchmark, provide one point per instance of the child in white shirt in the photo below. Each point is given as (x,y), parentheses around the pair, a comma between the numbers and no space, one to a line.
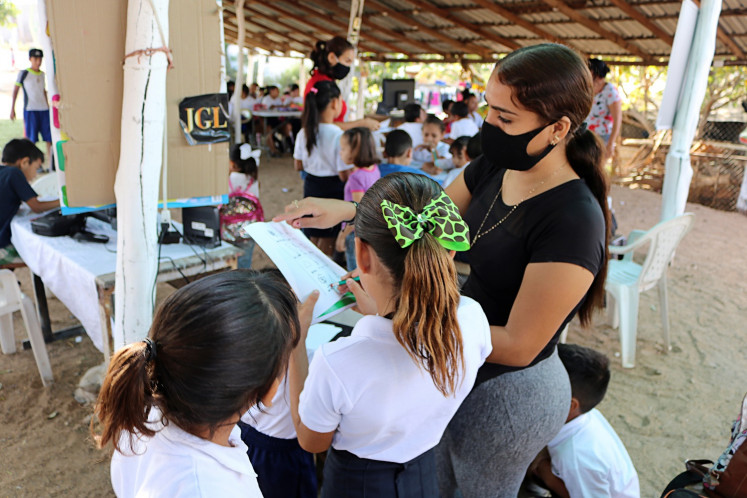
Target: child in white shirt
(462,126)
(463,151)
(273,98)
(169,404)
(433,155)
(587,459)
(382,398)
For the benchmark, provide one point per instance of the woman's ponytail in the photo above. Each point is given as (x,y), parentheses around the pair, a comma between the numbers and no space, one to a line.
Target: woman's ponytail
(319,56)
(425,322)
(424,277)
(126,396)
(316,101)
(586,155)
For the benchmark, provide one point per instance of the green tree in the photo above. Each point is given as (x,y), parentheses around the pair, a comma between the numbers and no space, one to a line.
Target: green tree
(8,12)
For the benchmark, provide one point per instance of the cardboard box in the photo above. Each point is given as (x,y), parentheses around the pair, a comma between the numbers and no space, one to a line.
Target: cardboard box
(88,40)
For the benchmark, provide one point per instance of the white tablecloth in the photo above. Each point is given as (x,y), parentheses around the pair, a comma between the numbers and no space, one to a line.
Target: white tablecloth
(277,114)
(69,268)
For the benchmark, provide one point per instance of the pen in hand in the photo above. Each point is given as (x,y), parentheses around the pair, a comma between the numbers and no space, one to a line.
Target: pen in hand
(342,282)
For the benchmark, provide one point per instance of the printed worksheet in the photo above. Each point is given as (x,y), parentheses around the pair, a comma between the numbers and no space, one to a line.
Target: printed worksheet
(304,266)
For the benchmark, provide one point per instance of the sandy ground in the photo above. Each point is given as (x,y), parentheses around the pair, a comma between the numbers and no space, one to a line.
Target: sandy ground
(670,407)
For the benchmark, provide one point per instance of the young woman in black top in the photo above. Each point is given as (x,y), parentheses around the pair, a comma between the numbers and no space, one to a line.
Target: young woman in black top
(536,207)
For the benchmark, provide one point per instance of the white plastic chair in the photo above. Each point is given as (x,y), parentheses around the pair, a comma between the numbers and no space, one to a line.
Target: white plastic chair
(46,186)
(12,299)
(627,279)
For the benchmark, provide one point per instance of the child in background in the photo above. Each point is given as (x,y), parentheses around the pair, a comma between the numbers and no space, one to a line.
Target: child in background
(587,458)
(20,161)
(294,98)
(273,98)
(243,206)
(383,397)
(433,155)
(414,117)
(462,126)
(357,147)
(317,153)
(169,404)
(35,102)
(398,155)
(472,105)
(468,149)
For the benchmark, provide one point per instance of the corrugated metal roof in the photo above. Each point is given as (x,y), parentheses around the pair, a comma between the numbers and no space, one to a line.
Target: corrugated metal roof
(484,29)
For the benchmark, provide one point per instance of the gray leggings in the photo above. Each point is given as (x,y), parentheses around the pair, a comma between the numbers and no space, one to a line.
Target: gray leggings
(499,429)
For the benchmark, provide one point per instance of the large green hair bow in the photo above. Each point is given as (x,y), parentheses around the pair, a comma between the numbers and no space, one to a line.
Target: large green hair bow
(440,217)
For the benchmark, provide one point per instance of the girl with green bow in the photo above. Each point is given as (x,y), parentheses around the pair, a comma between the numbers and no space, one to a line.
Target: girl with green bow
(382,398)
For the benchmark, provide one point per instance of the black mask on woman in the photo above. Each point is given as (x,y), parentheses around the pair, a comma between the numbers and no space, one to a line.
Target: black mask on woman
(339,71)
(510,151)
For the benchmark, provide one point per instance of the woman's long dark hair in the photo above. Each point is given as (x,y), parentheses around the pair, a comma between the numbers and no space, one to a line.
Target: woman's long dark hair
(553,81)
(337,45)
(427,294)
(218,345)
(319,97)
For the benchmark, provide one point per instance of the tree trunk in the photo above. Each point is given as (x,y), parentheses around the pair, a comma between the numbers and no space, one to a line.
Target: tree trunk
(140,162)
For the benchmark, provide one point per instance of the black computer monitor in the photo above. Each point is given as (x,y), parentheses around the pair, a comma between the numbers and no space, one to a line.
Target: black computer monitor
(201,226)
(396,94)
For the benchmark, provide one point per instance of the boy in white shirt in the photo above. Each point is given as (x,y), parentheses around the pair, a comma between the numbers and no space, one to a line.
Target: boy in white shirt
(586,459)
(462,126)
(273,98)
(413,125)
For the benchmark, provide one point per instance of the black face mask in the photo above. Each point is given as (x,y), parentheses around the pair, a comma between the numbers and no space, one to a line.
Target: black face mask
(510,151)
(339,71)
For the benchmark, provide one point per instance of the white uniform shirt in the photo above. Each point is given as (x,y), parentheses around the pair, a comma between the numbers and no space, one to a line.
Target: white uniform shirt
(248,103)
(422,156)
(382,405)
(324,159)
(415,130)
(591,460)
(452,175)
(268,101)
(176,463)
(239,181)
(475,116)
(465,127)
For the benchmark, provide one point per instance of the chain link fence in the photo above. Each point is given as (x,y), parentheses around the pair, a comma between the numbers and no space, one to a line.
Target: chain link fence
(718,160)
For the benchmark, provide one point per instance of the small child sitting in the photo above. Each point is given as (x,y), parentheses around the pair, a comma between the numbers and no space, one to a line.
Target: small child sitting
(20,162)
(464,150)
(586,459)
(357,147)
(398,155)
(461,125)
(433,156)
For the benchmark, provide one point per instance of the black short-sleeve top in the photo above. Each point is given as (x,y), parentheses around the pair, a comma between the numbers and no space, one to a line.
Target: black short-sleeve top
(564,224)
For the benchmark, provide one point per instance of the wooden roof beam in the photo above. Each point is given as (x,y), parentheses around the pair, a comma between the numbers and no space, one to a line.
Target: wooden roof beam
(264,27)
(643,21)
(448,14)
(594,26)
(460,45)
(366,30)
(725,38)
(324,26)
(256,41)
(519,21)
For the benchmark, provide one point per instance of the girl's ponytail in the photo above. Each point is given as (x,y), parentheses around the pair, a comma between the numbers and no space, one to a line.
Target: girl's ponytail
(424,275)
(126,396)
(586,155)
(425,322)
(315,102)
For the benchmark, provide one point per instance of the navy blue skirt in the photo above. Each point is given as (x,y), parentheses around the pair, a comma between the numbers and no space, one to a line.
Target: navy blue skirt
(284,469)
(346,475)
(326,187)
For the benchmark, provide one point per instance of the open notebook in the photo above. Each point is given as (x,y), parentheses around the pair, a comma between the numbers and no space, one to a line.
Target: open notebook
(304,266)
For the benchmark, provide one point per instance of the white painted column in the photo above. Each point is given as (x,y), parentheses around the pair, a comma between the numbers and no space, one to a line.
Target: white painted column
(236,98)
(140,162)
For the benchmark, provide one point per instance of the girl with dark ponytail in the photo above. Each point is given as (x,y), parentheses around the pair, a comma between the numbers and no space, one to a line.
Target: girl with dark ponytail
(386,393)
(169,404)
(333,60)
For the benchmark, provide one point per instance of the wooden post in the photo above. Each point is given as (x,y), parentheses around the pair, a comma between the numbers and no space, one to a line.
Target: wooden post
(236,98)
(354,30)
(140,160)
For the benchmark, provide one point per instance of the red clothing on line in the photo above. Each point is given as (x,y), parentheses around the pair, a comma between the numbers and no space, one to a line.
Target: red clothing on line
(317,76)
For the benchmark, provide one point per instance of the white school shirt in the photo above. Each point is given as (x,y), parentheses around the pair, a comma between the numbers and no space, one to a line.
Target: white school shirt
(422,156)
(239,181)
(175,463)
(452,175)
(324,159)
(477,118)
(380,403)
(248,103)
(268,101)
(465,127)
(591,460)
(415,130)
(33,90)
